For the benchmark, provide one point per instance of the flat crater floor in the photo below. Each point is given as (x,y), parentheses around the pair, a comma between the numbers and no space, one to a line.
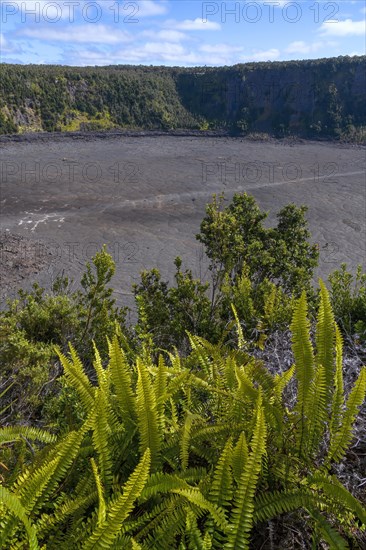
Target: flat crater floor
(63,197)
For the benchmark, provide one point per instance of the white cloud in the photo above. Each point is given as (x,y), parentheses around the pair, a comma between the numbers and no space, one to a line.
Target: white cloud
(193,25)
(348,27)
(159,52)
(170,36)
(92,34)
(148,8)
(299,46)
(266,55)
(220,49)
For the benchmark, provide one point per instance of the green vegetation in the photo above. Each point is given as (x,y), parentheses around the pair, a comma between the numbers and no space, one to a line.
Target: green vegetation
(189,430)
(312,98)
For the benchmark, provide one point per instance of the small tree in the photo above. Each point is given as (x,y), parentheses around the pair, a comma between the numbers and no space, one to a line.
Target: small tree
(234,237)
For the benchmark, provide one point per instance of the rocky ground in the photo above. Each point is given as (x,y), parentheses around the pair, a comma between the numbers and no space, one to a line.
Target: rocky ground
(144,195)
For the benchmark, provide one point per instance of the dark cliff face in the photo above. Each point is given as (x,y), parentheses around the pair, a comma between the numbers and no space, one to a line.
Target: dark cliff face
(308,98)
(313,97)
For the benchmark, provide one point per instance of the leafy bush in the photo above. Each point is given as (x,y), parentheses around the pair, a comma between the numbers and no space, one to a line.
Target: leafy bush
(37,321)
(348,297)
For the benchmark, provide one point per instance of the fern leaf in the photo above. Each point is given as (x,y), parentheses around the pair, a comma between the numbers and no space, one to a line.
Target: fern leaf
(304,362)
(200,353)
(98,483)
(222,487)
(242,515)
(76,376)
(121,379)
(315,424)
(338,395)
(337,492)
(272,504)
(97,364)
(195,496)
(10,434)
(14,505)
(281,381)
(120,508)
(101,435)
(342,438)
(160,388)
(193,534)
(147,415)
(185,440)
(325,339)
(240,457)
(327,532)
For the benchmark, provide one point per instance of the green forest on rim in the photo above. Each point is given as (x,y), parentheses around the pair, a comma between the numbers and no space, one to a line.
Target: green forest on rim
(314,98)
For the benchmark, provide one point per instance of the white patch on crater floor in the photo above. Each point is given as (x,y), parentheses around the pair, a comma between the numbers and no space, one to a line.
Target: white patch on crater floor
(36,219)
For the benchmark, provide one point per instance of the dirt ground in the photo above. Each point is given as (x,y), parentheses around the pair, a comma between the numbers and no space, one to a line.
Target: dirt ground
(144,196)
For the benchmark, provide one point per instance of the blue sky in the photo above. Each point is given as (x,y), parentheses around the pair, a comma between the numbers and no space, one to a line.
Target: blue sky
(178,32)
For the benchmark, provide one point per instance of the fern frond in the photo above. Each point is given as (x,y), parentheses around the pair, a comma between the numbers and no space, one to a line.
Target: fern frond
(9,434)
(338,395)
(200,353)
(240,457)
(101,435)
(160,388)
(195,497)
(192,533)
(147,415)
(185,439)
(221,492)
(121,379)
(325,339)
(341,439)
(281,381)
(242,515)
(97,364)
(76,376)
(315,425)
(327,532)
(272,504)
(99,486)
(335,491)
(14,505)
(70,508)
(119,509)
(304,363)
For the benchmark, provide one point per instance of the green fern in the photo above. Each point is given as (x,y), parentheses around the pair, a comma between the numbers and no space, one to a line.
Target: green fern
(316,403)
(341,439)
(77,378)
(10,434)
(338,394)
(327,532)
(147,415)
(121,379)
(242,515)
(98,482)
(120,507)
(325,340)
(304,362)
(101,435)
(240,457)
(221,491)
(15,507)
